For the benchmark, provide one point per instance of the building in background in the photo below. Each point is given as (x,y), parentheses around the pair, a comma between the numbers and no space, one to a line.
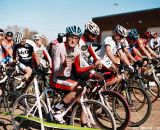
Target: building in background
(141,20)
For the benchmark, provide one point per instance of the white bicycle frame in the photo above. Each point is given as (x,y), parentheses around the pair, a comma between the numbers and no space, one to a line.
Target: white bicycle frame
(37,103)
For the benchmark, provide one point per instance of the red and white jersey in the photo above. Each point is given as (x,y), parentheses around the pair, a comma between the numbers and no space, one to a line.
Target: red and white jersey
(59,58)
(86,50)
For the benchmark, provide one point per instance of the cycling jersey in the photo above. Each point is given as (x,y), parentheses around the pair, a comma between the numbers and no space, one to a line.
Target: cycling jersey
(138,42)
(1,53)
(7,48)
(43,54)
(58,79)
(114,47)
(52,47)
(125,43)
(86,50)
(154,42)
(25,52)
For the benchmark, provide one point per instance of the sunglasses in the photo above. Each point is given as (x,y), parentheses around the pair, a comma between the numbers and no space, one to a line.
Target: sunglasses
(93,35)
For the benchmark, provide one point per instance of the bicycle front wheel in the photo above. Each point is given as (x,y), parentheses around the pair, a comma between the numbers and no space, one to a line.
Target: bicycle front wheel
(140,105)
(26,105)
(98,116)
(119,108)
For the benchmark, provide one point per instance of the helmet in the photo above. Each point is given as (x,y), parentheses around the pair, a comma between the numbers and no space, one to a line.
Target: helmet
(147,34)
(37,36)
(18,37)
(9,34)
(60,35)
(153,33)
(1,31)
(92,28)
(121,30)
(74,30)
(133,34)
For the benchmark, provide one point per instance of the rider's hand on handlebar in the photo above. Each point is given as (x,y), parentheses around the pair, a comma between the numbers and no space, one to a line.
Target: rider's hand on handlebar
(12,64)
(154,61)
(131,68)
(98,76)
(98,64)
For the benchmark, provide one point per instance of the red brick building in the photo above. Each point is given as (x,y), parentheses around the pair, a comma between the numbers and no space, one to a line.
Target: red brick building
(141,20)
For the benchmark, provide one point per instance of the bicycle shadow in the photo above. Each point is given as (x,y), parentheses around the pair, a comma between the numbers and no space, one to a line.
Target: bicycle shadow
(5,124)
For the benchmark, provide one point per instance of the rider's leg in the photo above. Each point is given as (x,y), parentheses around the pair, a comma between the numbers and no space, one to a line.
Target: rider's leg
(114,80)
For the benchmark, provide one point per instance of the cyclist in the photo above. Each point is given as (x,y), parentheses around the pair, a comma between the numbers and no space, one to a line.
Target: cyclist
(112,52)
(42,51)
(141,45)
(62,65)
(154,41)
(25,51)
(86,50)
(1,38)
(62,75)
(53,45)
(7,47)
(1,53)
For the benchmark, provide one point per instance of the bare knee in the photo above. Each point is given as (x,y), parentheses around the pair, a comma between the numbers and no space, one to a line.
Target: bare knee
(28,72)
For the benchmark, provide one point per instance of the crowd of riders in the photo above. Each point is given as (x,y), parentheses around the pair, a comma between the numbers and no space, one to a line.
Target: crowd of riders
(72,56)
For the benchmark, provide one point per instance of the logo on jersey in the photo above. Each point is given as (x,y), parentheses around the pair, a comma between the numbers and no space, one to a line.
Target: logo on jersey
(23,52)
(84,48)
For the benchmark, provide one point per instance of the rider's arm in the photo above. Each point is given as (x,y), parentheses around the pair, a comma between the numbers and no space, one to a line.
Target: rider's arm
(92,53)
(151,43)
(58,68)
(128,53)
(140,42)
(81,69)
(47,56)
(123,57)
(8,50)
(36,57)
(151,52)
(15,52)
(109,53)
(136,51)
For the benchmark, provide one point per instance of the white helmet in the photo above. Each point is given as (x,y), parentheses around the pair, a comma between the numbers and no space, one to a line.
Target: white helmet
(121,30)
(18,37)
(92,28)
(37,36)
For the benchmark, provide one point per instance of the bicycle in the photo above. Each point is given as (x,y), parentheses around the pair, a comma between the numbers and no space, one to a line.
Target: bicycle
(138,100)
(30,108)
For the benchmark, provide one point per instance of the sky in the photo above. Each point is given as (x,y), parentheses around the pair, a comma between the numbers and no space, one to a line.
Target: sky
(50,17)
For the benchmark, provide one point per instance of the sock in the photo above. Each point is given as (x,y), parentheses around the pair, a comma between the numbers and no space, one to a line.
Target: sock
(84,125)
(60,105)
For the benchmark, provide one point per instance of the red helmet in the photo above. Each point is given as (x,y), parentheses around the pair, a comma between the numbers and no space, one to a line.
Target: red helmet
(147,34)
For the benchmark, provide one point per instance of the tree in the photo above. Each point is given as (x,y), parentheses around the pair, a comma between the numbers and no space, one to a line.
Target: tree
(27,32)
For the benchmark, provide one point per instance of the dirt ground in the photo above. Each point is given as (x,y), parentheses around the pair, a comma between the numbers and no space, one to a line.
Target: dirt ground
(153,123)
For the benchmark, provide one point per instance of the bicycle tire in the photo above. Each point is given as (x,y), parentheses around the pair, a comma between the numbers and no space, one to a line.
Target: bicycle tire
(24,123)
(119,108)
(135,110)
(153,91)
(105,110)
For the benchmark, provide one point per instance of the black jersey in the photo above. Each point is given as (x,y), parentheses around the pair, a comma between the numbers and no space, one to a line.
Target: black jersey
(24,52)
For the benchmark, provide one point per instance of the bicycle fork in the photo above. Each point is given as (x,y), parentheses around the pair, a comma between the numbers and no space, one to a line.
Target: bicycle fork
(87,113)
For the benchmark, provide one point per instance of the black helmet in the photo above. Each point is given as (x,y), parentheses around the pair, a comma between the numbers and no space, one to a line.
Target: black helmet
(1,31)
(9,34)
(60,35)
